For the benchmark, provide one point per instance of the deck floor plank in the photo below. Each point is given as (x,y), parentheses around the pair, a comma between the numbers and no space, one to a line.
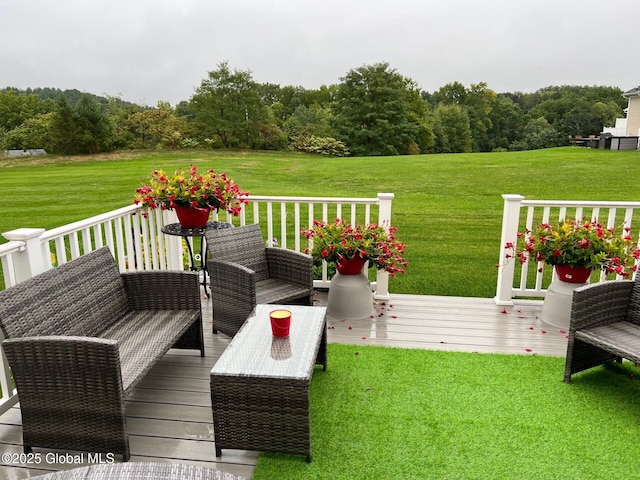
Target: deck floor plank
(169,413)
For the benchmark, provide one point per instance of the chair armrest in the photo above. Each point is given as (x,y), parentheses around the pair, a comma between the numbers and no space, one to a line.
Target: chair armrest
(291,266)
(163,290)
(232,280)
(599,304)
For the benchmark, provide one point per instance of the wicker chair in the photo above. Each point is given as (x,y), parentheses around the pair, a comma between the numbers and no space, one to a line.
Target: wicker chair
(244,273)
(605,325)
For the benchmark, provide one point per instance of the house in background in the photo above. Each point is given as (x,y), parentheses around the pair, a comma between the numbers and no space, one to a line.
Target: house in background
(625,135)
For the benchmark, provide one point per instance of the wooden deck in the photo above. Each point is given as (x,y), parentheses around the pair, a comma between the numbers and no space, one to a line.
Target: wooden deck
(169,413)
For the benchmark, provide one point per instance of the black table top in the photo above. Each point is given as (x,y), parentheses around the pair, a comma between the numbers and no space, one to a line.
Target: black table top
(179,230)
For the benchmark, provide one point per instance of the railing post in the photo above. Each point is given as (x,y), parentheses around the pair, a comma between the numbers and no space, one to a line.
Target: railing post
(29,262)
(384,219)
(26,264)
(506,271)
(174,244)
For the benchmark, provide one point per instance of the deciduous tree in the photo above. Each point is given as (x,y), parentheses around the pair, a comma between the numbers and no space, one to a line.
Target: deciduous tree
(374,112)
(228,107)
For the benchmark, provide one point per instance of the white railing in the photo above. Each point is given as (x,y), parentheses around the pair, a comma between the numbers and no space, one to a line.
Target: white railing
(137,243)
(519,214)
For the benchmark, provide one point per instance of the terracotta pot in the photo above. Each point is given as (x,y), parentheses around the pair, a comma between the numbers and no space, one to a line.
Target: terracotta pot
(573,274)
(350,266)
(192,217)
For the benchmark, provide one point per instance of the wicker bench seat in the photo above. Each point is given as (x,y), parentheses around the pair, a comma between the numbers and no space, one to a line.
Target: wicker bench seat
(605,325)
(79,338)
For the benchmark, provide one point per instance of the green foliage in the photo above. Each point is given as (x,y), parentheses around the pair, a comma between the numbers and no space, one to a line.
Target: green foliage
(228,108)
(83,129)
(16,108)
(538,134)
(574,110)
(452,130)
(374,108)
(478,102)
(156,128)
(34,132)
(507,123)
(305,121)
(374,111)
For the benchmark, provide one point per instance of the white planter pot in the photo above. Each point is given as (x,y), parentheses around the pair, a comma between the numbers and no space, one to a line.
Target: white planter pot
(350,297)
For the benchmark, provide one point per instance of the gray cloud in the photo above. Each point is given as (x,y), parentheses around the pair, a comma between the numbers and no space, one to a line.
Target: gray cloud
(150,50)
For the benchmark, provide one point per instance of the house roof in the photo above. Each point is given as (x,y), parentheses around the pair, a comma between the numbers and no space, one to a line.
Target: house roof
(631,93)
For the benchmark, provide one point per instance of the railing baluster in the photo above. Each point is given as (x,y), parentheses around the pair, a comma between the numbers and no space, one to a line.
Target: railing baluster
(269,220)
(296,225)
(124,263)
(283,224)
(97,236)
(85,234)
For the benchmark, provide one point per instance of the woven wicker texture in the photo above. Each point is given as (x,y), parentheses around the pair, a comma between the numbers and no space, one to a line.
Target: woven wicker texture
(75,356)
(260,384)
(605,325)
(244,273)
(88,290)
(140,471)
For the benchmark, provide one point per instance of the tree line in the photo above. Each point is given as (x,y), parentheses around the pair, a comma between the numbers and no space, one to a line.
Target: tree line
(373,110)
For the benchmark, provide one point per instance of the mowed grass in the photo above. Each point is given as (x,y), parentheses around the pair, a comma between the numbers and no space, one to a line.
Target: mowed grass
(448,208)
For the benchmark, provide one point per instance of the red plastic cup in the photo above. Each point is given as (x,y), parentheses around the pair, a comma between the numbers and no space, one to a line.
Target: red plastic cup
(280,323)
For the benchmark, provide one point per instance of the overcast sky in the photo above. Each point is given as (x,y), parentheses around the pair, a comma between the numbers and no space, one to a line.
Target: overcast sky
(150,50)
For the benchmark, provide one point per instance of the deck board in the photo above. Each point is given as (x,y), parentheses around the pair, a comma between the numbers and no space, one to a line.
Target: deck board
(169,413)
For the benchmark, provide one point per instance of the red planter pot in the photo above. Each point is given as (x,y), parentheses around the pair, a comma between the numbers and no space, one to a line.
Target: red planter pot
(191,217)
(350,266)
(573,274)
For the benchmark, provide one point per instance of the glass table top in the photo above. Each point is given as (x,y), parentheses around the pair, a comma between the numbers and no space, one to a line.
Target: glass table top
(254,352)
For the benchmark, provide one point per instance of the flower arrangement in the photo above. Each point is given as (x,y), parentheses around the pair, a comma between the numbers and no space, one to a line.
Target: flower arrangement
(189,188)
(578,244)
(338,240)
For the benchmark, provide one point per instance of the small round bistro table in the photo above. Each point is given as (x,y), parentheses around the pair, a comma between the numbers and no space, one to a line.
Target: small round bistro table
(197,261)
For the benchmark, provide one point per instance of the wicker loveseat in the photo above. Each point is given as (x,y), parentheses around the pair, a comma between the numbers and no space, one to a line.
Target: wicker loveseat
(244,273)
(605,325)
(79,337)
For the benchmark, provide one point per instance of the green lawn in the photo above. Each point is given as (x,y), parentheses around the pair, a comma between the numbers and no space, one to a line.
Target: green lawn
(448,208)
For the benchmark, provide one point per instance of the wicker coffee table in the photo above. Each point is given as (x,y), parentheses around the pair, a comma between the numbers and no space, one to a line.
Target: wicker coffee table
(260,384)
